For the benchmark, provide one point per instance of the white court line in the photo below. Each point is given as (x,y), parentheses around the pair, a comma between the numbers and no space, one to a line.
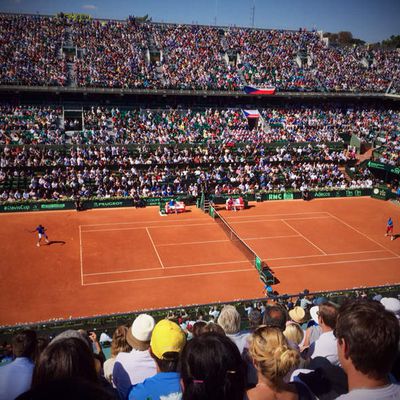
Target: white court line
(205,224)
(227,262)
(80,251)
(225,240)
(231,222)
(144,222)
(171,267)
(123,271)
(331,263)
(325,255)
(154,246)
(308,240)
(363,234)
(277,215)
(170,276)
(154,226)
(188,243)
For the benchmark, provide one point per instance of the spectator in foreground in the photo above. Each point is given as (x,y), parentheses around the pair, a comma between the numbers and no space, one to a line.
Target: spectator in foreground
(118,344)
(134,367)
(212,369)
(16,377)
(273,360)
(67,389)
(167,342)
(65,358)
(367,340)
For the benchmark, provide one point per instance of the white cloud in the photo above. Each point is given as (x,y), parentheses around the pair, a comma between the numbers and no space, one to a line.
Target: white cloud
(89,7)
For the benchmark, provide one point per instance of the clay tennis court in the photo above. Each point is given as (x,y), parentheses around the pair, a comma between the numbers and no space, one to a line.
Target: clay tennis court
(122,260)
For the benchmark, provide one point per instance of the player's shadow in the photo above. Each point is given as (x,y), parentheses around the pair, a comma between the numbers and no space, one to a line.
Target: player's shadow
(396,236)
(51,242)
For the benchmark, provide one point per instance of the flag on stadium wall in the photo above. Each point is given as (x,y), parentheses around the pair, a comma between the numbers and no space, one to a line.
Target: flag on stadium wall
(260,91)
(251,113)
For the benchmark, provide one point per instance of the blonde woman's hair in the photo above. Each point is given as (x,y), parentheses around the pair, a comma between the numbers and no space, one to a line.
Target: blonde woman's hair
(271,354)
(293,332)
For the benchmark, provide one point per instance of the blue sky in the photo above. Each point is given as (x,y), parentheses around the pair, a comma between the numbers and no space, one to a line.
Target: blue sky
(369,20)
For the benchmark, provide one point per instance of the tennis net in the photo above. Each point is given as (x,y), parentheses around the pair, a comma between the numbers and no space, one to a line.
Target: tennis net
(239,243)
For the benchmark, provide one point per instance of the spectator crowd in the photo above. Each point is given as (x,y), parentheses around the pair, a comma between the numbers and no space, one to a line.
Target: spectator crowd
(146,153)
(309,349)
(132,54)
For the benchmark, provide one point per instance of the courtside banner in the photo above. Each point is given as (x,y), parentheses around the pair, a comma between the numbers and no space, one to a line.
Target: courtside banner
(266,91)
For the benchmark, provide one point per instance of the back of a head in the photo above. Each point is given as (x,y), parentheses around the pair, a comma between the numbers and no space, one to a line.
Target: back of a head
(229,319)
(293,332)
(211,327)
(167,342)
(271,354)
(275,316)
(198,327)
(255,319)
(68,389)
(119,342)
(24,344)
(212,369)
(66,358)
(328,312)
(371,334)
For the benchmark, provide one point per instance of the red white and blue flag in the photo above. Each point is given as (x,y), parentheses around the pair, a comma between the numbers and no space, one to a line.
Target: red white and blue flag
(251,113)
(260,91)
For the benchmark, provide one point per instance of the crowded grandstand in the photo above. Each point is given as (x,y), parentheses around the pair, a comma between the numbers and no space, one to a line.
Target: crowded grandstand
(99,113)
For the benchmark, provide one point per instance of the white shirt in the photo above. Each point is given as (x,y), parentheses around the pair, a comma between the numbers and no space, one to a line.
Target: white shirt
(132,368)
(325,346)
(15,378)
(389,392)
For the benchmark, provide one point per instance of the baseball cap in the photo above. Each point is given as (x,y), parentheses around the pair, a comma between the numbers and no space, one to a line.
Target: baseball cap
(167,337)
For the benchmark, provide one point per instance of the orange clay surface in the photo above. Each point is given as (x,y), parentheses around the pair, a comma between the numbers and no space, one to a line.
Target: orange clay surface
(122,260)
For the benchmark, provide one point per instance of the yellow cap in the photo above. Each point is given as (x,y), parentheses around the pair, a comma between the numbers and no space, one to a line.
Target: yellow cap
(167,337)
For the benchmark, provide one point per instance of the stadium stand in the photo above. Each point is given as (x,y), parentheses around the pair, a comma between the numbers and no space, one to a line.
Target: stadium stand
(66,138)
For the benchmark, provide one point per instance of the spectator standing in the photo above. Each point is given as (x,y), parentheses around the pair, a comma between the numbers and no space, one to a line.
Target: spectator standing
(16,377)
(137,365)
(367,341)
(167,342)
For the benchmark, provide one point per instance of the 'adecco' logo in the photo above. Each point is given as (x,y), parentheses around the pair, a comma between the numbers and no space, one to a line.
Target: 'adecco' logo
(322,194)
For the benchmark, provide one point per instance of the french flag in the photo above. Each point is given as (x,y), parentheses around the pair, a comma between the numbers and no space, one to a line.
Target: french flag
(260,91)
(251,113)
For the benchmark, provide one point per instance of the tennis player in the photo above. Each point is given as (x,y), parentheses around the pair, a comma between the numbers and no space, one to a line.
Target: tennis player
(389,228)
(41,230)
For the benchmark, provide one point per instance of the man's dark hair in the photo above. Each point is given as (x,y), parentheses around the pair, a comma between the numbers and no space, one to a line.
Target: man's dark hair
(328,313)
(275,317)
(169,363)
(371,334)
(24,344)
